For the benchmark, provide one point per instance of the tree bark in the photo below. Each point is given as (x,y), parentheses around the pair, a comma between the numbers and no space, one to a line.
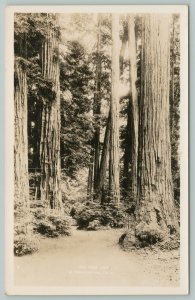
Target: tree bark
(21,197)
(122,52)
(50,130)
(97,108)
(90,175)
(126,183)
(155,212)
(123,48)
(133,106)
(114,108)
(104,159)
(175,104)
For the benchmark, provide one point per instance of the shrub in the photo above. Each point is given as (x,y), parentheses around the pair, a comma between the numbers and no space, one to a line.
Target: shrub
(39,214)
(172,242)
(148,237)
(148,234)
(52,224)
(25,244)
(47,229)
(112,216)
(108,215)
(94,225)
(62,224)
(88,215)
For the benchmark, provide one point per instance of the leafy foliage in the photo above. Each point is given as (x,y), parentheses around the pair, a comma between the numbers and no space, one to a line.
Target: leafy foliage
(52,224)
(76,103)
(25,244)
(30,30)
(94,215)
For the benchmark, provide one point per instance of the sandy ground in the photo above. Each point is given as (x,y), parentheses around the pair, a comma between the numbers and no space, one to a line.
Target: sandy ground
(94,258)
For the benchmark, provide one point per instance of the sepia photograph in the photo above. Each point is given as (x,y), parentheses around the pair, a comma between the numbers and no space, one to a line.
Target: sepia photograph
(96,150)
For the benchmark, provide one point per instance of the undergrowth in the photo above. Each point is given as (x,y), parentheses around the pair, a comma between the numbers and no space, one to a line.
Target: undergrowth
(25,244)
(93,216)
(52,224)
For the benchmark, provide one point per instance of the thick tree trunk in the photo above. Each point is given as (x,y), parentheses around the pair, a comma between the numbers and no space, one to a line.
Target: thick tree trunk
(133,107)
(155,213)
(114,108)
(21,198)
(172,70)
(175,104)
(50,131)
(97,108)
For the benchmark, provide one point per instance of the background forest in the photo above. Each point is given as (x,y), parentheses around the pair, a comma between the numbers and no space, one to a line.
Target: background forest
(96,100)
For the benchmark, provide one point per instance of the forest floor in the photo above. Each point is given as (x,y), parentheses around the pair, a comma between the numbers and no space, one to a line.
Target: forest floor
(93,258)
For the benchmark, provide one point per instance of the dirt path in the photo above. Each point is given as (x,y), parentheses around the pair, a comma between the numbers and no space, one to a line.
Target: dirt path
(94,258)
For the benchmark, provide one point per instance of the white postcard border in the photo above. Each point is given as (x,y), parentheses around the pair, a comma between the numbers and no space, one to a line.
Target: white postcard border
(11,289)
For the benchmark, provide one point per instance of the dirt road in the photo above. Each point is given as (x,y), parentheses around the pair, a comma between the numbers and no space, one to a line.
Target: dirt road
(94,258)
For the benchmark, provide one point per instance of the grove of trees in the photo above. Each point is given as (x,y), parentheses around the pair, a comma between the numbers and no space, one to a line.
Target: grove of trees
(96,100)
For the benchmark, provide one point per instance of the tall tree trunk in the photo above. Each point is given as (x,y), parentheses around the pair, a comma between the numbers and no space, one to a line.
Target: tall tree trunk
(156,214)
(114,108)
(133,114)
(172,63)
(104,159)
(90,175)
(122,52)
(175,104)
(50,131)
(126,183)
(123,48)
(21,145)
(97,108)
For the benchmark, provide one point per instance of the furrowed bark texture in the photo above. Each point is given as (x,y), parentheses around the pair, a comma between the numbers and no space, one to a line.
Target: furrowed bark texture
(97,108)
(21,197)
(133,105)
(50,131)
(155,208)
(114,107)
(175,104)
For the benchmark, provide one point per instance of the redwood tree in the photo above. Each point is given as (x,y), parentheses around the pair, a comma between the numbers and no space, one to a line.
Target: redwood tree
(133,106)
(155,213)
(21,145)
(103,162)
(175,103)
(50,127)
(21,188)
(97,106)
(90,174)
(114,109)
